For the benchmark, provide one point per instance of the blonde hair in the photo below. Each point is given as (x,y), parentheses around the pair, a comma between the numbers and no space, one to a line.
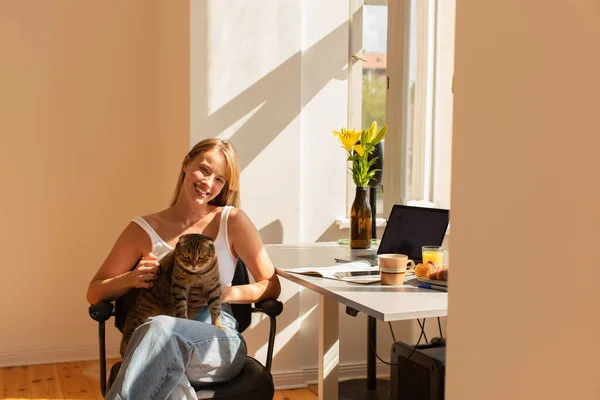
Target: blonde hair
(230,194)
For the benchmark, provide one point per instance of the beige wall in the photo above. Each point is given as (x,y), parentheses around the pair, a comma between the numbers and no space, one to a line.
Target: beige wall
(525,202)
(134,89)
(92,128)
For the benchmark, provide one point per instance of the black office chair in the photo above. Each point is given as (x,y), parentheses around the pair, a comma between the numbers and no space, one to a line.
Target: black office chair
(253,382)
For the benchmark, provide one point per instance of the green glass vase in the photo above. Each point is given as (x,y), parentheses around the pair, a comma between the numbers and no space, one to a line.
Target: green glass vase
(360,220)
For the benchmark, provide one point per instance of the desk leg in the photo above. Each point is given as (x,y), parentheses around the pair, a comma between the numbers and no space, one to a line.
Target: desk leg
(370,388)
(371,342)
(329,348)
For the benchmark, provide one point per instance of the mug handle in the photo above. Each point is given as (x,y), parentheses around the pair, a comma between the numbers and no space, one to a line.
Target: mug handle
(412,263)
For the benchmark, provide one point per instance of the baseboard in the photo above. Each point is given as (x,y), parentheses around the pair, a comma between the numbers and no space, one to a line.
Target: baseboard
(281,379)
(298,379)
(34,357)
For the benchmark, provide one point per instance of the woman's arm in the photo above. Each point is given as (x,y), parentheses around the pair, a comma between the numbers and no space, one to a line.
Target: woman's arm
(115,277)
(247,244)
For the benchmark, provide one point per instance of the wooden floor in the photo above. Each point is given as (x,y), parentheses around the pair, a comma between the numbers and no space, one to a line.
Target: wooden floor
(79,380)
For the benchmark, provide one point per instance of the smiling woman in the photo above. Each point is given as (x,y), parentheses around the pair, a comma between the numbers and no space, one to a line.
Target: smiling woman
(214,152)
(204,201)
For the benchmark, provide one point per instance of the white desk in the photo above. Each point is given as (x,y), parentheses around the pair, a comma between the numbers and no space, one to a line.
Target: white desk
(387,303)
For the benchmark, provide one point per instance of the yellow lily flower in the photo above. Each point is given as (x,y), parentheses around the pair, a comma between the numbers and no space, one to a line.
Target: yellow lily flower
(359,149)
(380,135)
(348,138)
(370,133)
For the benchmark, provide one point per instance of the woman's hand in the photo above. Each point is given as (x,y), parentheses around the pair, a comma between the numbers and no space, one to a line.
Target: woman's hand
(146,272)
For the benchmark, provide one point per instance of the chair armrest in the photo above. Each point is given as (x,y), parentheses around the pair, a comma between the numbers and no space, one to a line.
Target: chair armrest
(101,311)
(271,307)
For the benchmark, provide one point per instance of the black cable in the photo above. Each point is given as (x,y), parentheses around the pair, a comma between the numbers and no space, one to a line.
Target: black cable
(391,330)
(411,353)
(440,327)
(423,329)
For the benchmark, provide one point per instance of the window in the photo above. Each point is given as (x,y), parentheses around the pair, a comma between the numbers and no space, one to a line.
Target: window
(418,63)
(420,102)
(368,81)
(374,72)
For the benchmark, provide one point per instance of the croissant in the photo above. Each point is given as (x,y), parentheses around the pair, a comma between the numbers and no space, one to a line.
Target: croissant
(433,269)
(425,270)
(440,275)
(422,270)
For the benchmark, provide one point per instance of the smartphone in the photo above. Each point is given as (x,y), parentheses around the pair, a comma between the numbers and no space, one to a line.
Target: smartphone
(349,274)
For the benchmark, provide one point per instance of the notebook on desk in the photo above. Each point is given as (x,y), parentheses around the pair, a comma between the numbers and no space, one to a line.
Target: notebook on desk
(358,271)
(408,229)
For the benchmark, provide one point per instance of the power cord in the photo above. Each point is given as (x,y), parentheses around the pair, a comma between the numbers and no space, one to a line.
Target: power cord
(392,331)
(411,353)
(423,329)
(421,325)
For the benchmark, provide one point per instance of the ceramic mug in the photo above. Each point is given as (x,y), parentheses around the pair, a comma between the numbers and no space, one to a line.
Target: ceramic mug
(394,267)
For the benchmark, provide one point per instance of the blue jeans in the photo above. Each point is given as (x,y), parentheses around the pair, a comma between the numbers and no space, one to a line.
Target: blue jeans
(167,357)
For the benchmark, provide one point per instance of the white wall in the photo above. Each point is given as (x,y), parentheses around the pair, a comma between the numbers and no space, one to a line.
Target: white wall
(324,108)
(246,86)
(271,76)
(525,202)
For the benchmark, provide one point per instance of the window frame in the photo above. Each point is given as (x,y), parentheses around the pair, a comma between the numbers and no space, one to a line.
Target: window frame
(396,160)
(355,80)
(429,98)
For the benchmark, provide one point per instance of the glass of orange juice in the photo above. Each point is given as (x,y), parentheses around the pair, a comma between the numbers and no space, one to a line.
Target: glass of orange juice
(434,254)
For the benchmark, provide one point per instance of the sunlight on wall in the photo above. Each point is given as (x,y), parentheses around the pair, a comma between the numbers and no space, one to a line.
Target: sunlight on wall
(285,335)
(235,126)
(241,52)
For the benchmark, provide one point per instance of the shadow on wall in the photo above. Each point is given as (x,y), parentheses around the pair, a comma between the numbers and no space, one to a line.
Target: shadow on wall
(257,334)
(272,233)
(277,98)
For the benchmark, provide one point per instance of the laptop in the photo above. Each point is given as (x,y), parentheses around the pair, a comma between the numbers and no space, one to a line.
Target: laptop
(410,228)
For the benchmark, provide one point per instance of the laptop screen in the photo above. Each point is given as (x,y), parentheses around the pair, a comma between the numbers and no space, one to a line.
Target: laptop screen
(410,228)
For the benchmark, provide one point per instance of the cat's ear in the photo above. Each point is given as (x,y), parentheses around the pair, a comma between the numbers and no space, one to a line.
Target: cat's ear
(183,240)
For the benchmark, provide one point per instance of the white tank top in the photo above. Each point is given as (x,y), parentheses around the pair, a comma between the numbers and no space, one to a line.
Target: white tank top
(227,261)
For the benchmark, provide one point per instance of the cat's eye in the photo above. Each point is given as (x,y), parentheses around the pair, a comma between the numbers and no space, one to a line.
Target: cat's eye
(202,256)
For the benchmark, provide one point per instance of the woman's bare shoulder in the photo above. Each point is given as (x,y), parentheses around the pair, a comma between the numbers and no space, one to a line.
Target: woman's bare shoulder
(136,237)
(240,222)
(130,246)
(237,214)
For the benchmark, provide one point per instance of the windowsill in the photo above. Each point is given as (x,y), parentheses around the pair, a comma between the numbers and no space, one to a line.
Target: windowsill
(344,223)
